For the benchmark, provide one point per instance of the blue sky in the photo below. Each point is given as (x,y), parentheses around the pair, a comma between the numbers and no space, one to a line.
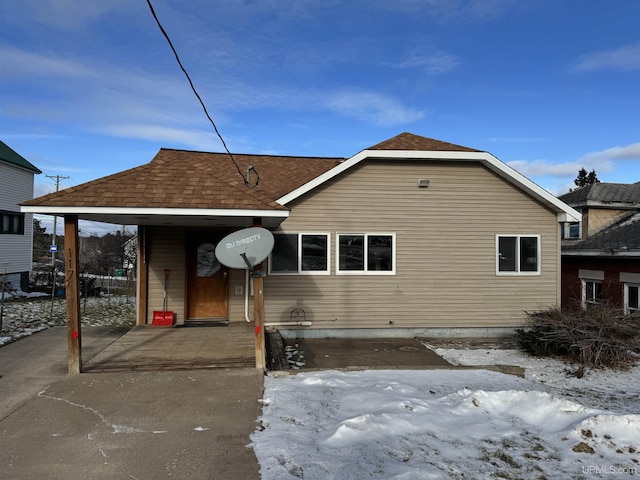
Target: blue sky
(90,88)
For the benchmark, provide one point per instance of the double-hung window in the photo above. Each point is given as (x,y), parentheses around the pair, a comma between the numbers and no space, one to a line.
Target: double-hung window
(300,253)
(518,254)
(366,253)
(631,297)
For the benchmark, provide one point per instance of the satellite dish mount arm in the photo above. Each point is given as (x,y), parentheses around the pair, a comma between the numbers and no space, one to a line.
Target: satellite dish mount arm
(252,271)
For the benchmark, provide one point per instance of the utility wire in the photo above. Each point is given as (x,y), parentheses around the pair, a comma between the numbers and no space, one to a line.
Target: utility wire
(175,53)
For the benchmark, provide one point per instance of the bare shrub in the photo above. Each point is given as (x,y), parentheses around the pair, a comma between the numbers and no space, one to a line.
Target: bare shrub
(599,336)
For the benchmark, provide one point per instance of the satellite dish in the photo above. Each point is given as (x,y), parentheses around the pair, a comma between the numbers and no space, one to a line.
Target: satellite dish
(245,248)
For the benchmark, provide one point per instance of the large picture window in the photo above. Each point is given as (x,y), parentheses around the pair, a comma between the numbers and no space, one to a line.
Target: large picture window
(518,254)
(304,253)
(366,253)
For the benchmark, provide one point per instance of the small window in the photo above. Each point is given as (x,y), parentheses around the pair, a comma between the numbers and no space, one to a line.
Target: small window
(631,297)
(366,253)
(518,254)
(592,293)
(12,223)
(570,230)
(295,253)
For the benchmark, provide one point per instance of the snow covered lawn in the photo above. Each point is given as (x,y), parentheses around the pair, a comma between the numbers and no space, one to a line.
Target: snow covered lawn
(30,313)
(460,424)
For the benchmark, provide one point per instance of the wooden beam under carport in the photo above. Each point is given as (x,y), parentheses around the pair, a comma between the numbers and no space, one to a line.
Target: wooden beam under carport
(72,293)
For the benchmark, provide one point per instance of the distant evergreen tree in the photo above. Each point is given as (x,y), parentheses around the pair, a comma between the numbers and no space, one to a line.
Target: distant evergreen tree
(583,179)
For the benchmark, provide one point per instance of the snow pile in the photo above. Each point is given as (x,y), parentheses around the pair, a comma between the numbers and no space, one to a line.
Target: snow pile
(435,424)
(295,357)
(605,389)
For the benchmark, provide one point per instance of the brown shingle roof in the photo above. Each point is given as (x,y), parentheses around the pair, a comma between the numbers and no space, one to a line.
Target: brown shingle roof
(199,180)
(409,141)
(202,180)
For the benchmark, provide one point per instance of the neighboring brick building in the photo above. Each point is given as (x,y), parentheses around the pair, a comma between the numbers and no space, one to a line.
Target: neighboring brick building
(601,256)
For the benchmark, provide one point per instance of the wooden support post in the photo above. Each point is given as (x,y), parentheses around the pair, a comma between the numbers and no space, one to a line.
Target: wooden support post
(72,289)
(142,277)
(258,318)
(258,311)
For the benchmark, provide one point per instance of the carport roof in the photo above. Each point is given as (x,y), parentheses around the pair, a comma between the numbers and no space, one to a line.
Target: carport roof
(186,183)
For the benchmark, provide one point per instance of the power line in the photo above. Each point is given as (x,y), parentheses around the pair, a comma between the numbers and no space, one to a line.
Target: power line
(54,247)
(175,53)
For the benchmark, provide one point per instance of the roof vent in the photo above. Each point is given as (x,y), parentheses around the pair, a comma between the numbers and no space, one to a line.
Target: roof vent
(423,183)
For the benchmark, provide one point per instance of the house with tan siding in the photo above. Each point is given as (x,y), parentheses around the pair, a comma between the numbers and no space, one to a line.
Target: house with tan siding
(412,236)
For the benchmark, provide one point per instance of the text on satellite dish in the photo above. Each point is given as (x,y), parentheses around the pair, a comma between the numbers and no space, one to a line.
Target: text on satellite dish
(243,241)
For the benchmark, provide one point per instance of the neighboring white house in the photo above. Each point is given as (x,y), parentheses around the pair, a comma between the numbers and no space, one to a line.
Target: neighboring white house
(16,228)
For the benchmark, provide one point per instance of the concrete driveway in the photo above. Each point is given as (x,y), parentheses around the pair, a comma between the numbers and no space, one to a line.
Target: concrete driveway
(130,425)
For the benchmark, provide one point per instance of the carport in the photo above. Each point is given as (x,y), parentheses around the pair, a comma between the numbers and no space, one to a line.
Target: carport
(181,201)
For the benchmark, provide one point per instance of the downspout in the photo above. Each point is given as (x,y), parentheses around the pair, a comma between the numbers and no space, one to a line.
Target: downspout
(246,296)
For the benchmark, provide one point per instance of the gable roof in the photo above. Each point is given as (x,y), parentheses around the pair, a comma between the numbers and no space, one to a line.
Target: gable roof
(407,146)
(604,194)
(12,157)
(409,141)
(620,239)
(200,184)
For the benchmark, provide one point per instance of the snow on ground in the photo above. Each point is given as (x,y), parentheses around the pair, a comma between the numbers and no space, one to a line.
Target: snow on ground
(25,314)
(606,389)
(460,424)
(413,424)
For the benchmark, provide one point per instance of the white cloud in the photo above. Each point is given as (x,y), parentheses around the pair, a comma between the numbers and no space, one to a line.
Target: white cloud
(604,161)
(630,152)
(517,139)
(26,65)
(543,168)
(371,107)
(624,58)
(454,10)
(63,14)
(190,137)
(431,61)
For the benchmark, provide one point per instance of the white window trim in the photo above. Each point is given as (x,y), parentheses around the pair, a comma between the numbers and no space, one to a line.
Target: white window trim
(627,310)
(584,290)
(518,272)
(566,230)
(300,271)
(366,254)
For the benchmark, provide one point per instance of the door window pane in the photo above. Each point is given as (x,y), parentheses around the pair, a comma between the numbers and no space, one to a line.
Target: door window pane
(207,263)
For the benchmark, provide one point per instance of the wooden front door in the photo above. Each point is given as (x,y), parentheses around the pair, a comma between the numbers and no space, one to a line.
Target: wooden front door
(207,287)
